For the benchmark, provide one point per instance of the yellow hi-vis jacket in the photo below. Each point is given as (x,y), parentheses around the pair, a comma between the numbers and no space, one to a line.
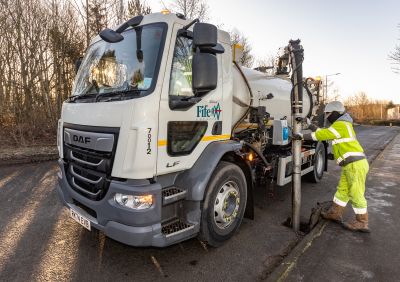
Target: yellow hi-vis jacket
(345,146)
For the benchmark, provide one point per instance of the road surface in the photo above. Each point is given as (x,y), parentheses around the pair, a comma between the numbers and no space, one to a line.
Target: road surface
(38,240)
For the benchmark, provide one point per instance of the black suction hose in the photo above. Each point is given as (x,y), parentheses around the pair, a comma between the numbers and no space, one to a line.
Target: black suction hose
(251,98)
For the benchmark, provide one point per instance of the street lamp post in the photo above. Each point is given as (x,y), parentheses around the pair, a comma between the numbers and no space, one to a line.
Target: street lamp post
(326,85)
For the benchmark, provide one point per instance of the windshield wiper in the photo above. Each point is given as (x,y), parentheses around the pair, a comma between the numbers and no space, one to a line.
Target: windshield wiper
(83,96)
(118,95)
(107,97)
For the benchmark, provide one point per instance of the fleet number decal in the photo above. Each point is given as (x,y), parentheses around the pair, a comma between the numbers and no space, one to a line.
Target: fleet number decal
(149,141)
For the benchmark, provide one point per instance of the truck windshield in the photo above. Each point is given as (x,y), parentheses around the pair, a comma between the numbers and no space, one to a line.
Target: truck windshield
(127,66)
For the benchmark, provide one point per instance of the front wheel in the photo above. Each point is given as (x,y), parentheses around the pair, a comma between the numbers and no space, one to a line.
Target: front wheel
(316,174)
(224,204)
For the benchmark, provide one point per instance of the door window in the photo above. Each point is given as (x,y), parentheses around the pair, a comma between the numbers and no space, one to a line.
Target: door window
(183,136)
(180,83)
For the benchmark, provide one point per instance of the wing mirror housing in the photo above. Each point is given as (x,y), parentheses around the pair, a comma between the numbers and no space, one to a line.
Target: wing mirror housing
(111,36)
(204,35)
(204,73)
(204,64)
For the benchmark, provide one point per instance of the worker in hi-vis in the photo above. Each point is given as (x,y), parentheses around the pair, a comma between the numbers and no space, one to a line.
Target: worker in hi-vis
(349,154)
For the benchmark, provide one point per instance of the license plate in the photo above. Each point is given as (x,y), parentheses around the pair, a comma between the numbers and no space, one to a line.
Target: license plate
(80,219)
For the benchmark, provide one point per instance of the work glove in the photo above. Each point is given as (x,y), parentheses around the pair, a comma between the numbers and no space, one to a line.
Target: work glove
(310,125)
(297,136)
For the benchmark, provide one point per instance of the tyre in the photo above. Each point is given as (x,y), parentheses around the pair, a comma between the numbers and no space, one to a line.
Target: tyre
(224,204)
(316,175)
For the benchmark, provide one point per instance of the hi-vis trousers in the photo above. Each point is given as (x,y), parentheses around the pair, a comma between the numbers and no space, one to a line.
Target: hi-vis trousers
(351,186)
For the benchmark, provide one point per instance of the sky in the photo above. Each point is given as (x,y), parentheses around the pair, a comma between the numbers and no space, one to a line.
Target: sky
(353,38)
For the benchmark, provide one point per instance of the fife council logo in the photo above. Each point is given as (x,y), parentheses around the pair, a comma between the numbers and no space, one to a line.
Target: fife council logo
(209,113)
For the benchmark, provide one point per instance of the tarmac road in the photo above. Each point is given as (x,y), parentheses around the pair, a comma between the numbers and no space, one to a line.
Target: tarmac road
(336,254)
(38,240)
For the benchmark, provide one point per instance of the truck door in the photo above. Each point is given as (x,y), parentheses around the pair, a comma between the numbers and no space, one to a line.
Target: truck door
(185,132)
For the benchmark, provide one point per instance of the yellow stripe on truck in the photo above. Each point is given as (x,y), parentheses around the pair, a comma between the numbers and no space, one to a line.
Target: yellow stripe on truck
(205,138)
(162,143)
(215,137)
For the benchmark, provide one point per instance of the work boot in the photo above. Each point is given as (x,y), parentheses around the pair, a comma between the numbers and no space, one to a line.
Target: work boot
(360,223)
(334,213)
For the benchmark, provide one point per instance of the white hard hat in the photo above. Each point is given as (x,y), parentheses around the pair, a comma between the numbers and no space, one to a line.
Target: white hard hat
(334,106)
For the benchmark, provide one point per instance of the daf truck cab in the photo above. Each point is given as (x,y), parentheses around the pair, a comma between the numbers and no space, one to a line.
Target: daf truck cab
(163,137)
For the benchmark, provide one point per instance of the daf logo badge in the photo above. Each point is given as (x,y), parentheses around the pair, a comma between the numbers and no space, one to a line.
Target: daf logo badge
(81,139)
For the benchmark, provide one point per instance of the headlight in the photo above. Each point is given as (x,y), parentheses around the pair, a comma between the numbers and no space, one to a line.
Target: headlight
(134,202)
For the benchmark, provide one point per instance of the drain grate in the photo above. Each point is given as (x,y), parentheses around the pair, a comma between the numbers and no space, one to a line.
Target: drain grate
(175,227)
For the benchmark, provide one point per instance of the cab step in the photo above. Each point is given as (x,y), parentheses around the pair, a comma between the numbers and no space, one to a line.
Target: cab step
(176,227)
(172,195)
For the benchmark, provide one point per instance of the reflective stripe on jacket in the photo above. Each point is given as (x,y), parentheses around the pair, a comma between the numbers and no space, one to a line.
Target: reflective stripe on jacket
(345,146)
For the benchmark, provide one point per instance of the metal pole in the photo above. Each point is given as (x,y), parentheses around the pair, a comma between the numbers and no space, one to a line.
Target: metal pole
(296,178)
(296,53)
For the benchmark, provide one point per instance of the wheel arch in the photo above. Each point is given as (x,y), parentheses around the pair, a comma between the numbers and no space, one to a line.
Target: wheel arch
(198,176)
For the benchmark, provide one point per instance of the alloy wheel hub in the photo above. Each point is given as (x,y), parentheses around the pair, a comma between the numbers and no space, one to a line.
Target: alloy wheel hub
(226,205)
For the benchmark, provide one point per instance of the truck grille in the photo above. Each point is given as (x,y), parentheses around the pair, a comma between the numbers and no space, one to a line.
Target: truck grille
(88,170)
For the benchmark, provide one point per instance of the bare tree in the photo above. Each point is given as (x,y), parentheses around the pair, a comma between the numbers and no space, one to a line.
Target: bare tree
(267,61)
(266,64)
(97,16)
(247,58)
(137,7)
(395,57)
(93,15)
(363,108)
(191,9)
(39,44)
(390,105)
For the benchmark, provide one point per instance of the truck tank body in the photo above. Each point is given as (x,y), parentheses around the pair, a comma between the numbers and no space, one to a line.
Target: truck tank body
(261,85)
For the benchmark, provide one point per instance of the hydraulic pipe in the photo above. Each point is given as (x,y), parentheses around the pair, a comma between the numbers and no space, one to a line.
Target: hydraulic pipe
(296,58)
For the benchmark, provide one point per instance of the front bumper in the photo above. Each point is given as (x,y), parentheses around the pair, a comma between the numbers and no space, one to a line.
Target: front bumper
(131,227)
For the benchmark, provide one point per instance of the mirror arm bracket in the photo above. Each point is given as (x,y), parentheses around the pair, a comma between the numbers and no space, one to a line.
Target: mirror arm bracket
(191,23)
(185,33)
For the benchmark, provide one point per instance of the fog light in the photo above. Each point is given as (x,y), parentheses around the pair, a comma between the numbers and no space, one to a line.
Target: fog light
(134,202)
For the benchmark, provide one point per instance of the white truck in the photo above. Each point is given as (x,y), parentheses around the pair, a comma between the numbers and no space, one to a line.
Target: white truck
(165,136)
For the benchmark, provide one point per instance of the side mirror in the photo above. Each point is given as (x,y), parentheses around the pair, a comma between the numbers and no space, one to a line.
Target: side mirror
(204,35)
(78,64)
(204,73)
(111,36)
